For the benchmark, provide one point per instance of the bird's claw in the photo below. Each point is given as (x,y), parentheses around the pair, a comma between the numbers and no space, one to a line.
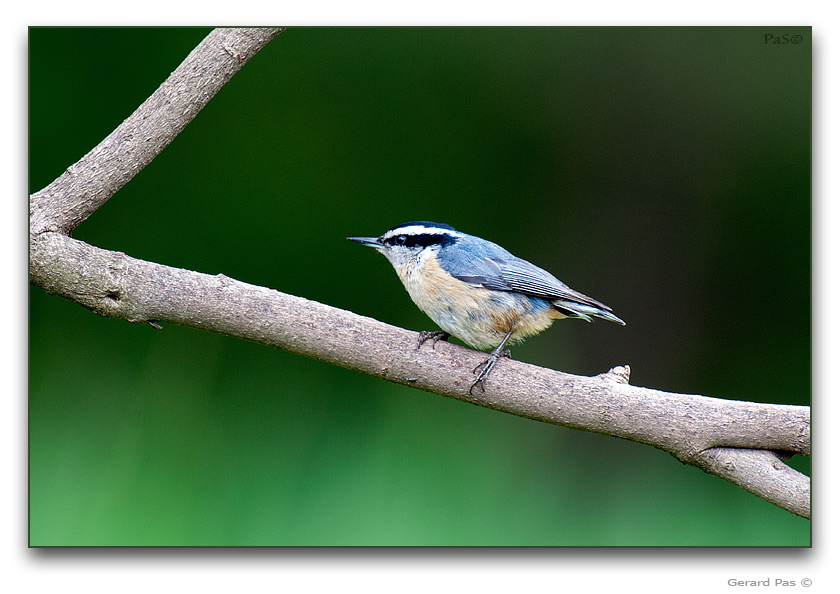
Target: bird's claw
(434,336)
(486,367)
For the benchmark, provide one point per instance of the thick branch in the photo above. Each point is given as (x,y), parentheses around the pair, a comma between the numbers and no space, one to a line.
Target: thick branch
(91,181)
(723,437)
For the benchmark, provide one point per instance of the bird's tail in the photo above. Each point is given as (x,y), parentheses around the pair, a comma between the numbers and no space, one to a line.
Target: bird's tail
(585,311)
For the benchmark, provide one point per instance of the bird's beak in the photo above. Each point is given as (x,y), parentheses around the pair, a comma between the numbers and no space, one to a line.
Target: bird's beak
(368,241)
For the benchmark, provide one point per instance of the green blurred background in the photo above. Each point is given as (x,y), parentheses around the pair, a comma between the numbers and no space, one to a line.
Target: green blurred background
(664,171)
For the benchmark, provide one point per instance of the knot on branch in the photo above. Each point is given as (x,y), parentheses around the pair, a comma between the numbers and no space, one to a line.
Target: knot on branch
(619,374)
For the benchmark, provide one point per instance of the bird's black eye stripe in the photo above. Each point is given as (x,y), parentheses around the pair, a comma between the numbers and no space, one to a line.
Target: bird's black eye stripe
(421,240)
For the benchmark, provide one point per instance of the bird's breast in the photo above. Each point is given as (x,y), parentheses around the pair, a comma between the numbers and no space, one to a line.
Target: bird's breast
(479,316)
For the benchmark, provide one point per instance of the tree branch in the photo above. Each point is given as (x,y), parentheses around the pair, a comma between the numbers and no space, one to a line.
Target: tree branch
(726,438)
(730,439)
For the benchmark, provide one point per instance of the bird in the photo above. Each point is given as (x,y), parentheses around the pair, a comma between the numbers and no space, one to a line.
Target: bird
(478,291)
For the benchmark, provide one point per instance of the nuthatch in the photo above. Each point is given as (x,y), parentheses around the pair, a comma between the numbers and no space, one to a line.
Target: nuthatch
(476,290)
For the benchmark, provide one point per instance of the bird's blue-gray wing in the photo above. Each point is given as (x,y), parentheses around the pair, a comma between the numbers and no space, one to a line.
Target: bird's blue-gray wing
(491,266)
(523,277)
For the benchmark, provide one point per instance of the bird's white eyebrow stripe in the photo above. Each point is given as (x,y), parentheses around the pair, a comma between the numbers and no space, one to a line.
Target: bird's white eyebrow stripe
(421,229)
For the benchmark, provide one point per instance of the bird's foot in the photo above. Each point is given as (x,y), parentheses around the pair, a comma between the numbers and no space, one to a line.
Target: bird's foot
(433,336)
(484,368)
